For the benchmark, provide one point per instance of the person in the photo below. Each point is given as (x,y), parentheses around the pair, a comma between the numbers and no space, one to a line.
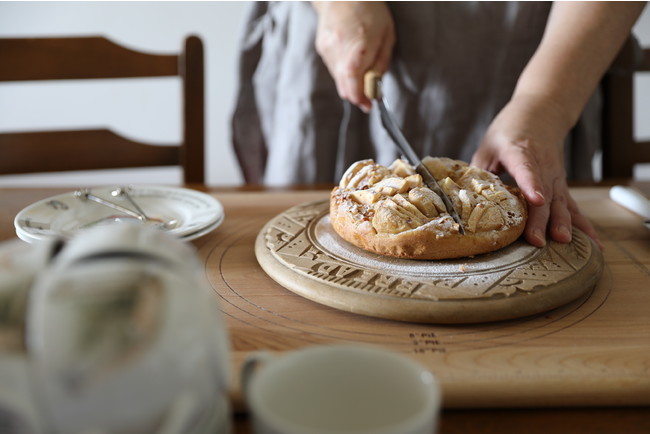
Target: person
(507,86)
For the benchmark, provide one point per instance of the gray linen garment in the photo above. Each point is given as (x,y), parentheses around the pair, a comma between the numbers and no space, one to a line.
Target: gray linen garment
(455,65)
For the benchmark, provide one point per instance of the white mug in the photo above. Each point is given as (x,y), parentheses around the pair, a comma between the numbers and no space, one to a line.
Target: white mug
(123,334)
(340,389)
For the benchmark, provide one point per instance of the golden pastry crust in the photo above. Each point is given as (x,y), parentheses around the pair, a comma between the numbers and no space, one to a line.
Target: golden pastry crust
(390,211)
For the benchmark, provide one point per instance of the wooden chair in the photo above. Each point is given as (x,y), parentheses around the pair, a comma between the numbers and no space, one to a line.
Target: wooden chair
(621,151)
(29,59)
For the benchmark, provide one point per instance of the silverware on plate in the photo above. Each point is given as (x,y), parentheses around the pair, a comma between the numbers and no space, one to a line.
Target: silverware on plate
(123,192)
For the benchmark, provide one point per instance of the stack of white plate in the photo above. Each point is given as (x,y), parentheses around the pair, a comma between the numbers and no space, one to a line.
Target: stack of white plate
(184,213)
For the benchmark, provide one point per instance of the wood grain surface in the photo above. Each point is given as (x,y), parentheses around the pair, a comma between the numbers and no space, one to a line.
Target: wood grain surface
(583,367)
(593,351)
(301,251)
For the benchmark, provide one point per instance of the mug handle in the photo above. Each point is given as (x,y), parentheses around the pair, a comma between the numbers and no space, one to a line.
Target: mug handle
(250,366)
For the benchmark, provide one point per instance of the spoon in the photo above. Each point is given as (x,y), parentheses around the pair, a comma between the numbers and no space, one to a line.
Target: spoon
(85,194)
(124,192)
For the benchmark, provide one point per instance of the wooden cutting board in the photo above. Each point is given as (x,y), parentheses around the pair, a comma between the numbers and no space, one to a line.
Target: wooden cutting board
(592,351)
(300,250)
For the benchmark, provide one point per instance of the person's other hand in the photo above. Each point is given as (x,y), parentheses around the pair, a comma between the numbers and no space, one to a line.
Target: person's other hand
(526,139)
(352,38)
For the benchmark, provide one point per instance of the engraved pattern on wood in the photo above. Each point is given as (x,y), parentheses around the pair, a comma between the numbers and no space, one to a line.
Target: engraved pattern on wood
(592,350)
(288,240)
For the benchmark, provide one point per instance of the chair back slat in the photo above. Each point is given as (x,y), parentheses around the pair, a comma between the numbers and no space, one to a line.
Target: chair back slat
(55,151)
(621,150)
(193,73)
(78,58)
(94,57)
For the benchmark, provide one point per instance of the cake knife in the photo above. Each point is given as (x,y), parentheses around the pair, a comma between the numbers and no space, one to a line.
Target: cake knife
(372,89)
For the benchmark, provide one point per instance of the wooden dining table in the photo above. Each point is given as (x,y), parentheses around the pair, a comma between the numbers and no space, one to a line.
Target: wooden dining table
(581,367)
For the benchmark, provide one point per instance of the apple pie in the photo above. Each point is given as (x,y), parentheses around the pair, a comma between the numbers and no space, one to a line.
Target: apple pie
(390,211)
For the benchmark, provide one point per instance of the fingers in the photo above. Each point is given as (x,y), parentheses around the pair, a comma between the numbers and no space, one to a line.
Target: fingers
(352,38)
(349,79)
(365,56)
(581,222)
(559,217)
(535,231)
(522,164)
(551,210)
(526,139)
(485,158)
(385,52)
(554,215)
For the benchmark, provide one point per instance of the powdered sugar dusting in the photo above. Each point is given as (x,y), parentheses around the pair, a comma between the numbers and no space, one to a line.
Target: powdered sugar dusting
(325,237)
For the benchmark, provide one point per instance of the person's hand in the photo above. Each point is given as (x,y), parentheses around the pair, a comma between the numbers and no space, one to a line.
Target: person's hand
(352,38)
(526,139)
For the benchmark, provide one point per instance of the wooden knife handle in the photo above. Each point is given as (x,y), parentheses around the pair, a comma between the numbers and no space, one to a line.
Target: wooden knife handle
(371,88)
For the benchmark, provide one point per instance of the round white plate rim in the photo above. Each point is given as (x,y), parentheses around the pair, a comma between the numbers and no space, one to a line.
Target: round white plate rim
(214,210)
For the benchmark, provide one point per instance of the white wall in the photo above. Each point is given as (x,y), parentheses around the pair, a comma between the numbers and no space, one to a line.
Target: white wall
(157,27)
(642,84)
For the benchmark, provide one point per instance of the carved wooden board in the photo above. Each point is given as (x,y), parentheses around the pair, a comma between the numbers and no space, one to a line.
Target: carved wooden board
(591,351)
(300,250)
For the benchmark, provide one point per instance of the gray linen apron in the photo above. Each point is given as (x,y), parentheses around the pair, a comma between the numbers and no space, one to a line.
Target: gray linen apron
(455,65)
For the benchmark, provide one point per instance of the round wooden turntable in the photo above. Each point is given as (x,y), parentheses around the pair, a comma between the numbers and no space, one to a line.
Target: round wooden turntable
(300,250)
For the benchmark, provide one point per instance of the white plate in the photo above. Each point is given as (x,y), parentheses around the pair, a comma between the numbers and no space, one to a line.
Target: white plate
(64,215)
(203,231)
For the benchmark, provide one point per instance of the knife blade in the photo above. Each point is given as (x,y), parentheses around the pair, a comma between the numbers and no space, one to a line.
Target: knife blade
(372,89)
